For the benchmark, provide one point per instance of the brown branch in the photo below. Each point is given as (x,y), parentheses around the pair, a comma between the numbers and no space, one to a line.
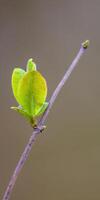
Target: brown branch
(40,125)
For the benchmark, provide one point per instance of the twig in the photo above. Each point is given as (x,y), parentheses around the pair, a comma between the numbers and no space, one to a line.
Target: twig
(40,125)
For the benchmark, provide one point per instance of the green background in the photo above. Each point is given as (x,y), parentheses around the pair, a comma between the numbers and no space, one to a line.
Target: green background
(64,163)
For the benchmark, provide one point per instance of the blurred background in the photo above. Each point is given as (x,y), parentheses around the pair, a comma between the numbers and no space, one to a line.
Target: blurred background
(64,163)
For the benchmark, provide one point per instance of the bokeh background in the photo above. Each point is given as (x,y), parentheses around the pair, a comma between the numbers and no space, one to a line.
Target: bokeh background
(64,163)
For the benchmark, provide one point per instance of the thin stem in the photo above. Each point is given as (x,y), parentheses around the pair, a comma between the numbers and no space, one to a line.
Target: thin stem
(64,79)
(40,125)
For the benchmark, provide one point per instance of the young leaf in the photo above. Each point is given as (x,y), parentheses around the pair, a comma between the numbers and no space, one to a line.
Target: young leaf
(32,92)
(31,119)
(16,77)
(42,109)
(31,66)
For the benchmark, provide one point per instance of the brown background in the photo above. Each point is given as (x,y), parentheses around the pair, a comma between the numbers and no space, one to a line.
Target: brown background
(65,161)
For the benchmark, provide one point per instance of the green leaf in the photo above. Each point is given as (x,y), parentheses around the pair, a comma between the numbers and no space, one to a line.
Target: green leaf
(20,110)
(16,77)
(42,109)
(31,66)
(32,92)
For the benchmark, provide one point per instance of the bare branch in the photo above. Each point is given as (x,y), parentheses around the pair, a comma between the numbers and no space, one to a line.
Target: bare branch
(40,125)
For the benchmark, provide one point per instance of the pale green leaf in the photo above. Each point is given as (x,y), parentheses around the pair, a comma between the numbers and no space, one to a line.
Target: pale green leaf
(32,92)
(20,110)
(16,77)
(42,109)
(31,66)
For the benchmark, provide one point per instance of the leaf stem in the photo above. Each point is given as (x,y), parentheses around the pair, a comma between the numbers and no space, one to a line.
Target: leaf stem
(40,125)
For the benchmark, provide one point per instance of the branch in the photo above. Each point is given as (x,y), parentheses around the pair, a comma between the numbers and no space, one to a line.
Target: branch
(40,126)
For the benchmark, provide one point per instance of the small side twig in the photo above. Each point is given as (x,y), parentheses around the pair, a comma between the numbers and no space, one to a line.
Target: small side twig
(40,125)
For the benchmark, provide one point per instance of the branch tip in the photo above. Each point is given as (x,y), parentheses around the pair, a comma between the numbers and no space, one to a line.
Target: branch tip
(85,44)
